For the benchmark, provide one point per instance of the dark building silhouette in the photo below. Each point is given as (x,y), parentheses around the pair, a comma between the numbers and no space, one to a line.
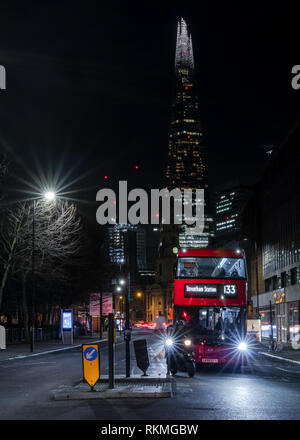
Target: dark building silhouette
(272,222)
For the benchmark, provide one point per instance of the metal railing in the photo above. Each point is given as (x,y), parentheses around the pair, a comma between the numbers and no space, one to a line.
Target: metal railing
(15,334)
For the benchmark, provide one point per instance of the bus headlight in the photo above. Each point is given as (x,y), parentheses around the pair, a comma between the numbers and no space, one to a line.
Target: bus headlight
(242,346)
(169,342)
(187,342)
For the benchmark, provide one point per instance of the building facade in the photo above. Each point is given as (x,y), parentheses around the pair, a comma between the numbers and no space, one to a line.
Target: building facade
(229,204)
(278,244)
(118,234)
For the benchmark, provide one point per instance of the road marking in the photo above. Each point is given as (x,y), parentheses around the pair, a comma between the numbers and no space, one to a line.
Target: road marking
(38,363)
(283,369)
(279,357)
(56,350)
(49,351)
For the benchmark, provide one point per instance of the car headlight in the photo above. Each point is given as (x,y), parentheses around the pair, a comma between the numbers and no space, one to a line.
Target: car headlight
(187,342)
(242,346)
(169,342)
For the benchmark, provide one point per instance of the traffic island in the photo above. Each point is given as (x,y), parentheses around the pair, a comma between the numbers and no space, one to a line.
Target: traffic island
(133,387)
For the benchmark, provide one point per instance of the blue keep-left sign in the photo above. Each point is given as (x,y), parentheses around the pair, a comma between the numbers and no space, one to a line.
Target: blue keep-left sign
(90,354)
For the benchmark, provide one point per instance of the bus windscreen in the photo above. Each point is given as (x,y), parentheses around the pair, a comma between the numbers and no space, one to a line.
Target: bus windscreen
(211,268)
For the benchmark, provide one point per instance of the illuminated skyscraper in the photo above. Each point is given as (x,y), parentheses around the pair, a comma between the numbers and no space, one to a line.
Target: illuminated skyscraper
(186,163)
(186,168)
(229,205)
(117,243)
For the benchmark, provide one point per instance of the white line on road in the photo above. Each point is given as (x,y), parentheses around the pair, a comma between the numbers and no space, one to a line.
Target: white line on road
(56,350)
(50,351)
(38,363)
(283,369)
(279,357)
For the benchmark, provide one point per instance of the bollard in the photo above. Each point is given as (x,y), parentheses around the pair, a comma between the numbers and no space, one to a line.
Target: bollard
(111,351)
(2,338)
(141,355)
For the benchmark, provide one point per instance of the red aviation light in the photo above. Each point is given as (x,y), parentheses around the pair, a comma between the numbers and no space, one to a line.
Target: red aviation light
(136,167)
(105,177)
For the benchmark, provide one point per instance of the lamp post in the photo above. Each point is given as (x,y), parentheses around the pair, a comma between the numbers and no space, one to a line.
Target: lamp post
(33,279)
(49,196)
(127,327)
(141,303)
(127,336)
(256,272)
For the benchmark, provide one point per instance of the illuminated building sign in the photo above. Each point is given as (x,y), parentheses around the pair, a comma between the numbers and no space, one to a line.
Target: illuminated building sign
(222,291)
(278,297)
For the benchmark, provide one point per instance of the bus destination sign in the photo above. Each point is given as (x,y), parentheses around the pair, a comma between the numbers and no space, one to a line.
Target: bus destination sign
(222,291)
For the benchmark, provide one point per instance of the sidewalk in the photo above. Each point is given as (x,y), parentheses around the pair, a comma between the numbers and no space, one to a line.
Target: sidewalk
(287,354)
(22,350)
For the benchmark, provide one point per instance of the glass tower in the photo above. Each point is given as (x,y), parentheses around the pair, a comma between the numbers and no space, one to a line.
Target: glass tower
(186,168)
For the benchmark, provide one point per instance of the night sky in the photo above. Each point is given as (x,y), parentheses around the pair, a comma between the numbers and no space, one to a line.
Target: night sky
(89,88)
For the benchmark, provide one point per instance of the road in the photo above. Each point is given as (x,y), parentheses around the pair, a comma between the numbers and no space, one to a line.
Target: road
(266,390)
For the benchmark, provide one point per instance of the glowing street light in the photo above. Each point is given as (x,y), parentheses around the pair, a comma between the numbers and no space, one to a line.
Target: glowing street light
(50,196)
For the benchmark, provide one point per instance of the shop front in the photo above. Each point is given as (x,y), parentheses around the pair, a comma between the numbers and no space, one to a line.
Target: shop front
(293,320)
(267,316)
(279,314)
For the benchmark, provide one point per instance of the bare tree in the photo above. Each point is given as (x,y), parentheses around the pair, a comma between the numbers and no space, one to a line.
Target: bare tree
(57,240)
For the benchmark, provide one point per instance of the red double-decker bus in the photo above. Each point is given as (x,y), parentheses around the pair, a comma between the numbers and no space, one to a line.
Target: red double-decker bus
(210,296)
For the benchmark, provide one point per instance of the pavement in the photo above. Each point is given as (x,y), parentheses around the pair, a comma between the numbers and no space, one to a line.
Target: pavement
(129,388)
(287,354)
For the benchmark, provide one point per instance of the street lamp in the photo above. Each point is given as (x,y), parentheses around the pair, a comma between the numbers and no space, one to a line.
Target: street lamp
(48,196)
